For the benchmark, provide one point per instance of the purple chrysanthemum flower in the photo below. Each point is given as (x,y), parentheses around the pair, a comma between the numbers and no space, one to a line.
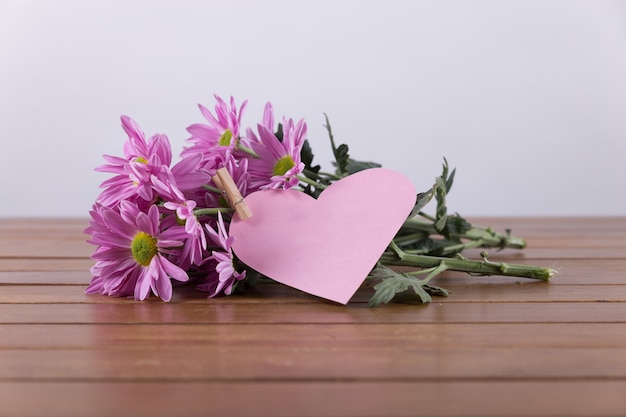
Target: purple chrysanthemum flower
(175,200)
(184,225)
(194,244)
(189,173)
(278,163)
(223,131)
(130,255)
(225,275)
(142,160)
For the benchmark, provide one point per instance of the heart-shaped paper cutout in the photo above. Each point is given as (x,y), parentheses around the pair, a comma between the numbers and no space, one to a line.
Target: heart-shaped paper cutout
(325,247)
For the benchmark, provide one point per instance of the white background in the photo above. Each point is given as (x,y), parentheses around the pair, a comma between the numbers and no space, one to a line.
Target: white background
(527,99)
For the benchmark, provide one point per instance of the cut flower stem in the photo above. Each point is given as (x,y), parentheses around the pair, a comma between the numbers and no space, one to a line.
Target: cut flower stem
(212,210)
(487,236)
(311,182)
(397,257)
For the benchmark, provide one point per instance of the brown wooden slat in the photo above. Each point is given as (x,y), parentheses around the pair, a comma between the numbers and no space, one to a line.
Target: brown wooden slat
(46,264)
(389,336)
(51,247)
(513,291)
(570,272)
(324,312)
(564,227)
(38,225)
(599,398)
(562,249)
(79,277)
(279,362)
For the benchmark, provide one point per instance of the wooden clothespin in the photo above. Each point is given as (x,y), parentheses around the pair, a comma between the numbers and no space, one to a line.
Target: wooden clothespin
(231,193)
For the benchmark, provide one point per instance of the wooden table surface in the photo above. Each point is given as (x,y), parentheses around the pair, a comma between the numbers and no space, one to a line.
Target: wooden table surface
(495,347)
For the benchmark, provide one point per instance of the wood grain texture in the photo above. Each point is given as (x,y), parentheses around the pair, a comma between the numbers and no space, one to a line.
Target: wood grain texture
(496,347)
(390,398)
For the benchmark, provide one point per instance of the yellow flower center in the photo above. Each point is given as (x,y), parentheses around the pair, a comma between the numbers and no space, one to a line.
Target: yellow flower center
(225,138)
(144,247)
(283,165)
(141,160)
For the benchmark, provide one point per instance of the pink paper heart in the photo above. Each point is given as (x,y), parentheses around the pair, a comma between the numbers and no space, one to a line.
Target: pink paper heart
(325,247)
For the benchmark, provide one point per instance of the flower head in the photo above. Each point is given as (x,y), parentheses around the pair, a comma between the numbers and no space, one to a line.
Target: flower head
(181,222)
(225,275)
(221,134)
(130,258)
(190,173)
(278,162)
(142,160)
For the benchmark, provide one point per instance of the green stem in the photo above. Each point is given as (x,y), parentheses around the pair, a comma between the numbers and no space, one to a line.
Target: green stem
(320,175)
(247,150)
(410,238)
(311,182)
(427,216)
(340,168)
(311,174)
(486,235)
(213,210)
(451,249)
(398,257)
(330,175)
(212,189)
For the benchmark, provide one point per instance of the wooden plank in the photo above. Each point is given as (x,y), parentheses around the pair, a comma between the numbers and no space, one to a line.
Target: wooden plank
(390,336)
(45,264)
(564,227)
(79,277)
(277,362)
(44,238)
(562,249)
(52,247)
(225,312)
(570,272)
(603,398)
(513,291)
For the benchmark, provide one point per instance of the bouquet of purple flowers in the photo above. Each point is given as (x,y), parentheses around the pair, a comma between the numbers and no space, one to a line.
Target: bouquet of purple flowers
(156,221)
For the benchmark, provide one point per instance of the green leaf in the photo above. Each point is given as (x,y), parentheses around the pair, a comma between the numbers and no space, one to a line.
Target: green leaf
(443,184)
(421,200)
(429,246)
(422,247)
(457,225)
(279,132)
(448,178)
(340,152)
(436,291)
(306,156)
(356,166)
(342,157)
(442,210)
(393,283)
(312,171)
